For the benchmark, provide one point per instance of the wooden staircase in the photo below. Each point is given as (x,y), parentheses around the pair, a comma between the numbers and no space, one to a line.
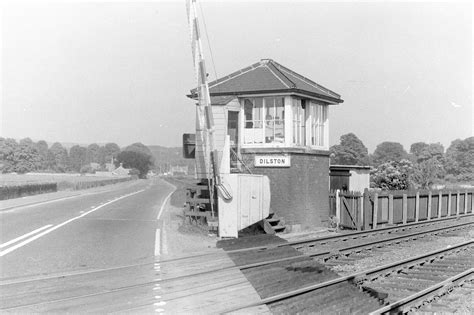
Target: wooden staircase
(273,224)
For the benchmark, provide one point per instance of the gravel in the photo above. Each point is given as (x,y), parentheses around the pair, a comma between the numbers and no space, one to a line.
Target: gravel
(402,251)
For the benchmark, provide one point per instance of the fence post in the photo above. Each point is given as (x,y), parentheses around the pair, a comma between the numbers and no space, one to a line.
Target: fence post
(390,209)
(366,209)
(361,214)
(465,202)
(449,203)
(429,206)
(472,201)
(376,209)
(417,206)
(457,203)
(404,208)
(440,204)
(338,208)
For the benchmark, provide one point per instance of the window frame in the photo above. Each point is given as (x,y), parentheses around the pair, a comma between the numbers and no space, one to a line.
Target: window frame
(262,132)
(308,126)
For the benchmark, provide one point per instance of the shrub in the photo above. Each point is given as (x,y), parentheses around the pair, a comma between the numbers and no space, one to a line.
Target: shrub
(17,191)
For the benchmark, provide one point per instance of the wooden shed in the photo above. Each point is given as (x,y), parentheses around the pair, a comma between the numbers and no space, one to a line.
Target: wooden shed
(349,177)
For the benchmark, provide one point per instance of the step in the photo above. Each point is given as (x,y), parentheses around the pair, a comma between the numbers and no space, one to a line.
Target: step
(273,220)
(279,228)
(272,225)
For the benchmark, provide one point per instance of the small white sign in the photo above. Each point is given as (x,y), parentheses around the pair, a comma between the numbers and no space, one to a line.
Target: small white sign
(272,161)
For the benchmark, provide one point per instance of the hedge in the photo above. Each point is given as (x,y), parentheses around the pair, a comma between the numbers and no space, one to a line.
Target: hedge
(97,183)
(17,191)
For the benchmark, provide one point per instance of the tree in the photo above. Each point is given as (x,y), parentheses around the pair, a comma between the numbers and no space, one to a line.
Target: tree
(58,158)
(388,151)
(425,173)
(417,147)
(77,157)
(92,155)
(7,148)
(139,147)
(392,175)
(459,162)
(108,152)
(42,148)
(428,162)
(132,159)
(350,151)
(26,141)
(422,151)
(26,158)
(20,158)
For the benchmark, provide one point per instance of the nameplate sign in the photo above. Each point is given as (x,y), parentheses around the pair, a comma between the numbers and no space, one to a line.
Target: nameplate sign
(272,161)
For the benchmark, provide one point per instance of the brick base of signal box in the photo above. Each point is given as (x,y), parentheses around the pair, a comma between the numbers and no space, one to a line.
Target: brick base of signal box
(300,192)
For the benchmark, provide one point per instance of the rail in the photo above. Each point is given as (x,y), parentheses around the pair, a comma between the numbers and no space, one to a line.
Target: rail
(405,304)
(357,278)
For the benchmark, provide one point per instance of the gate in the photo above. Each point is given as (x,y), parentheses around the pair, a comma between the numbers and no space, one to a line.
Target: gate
(347,206)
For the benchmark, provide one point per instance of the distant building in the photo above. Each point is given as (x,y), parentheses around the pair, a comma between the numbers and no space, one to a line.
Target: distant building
(110,167)
(179,170)
(121,170)
(95,166)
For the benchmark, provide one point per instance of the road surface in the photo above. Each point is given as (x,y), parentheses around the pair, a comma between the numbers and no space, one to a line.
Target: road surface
(96,230)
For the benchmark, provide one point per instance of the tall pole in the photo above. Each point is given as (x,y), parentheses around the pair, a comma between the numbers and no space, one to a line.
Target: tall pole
(205,154)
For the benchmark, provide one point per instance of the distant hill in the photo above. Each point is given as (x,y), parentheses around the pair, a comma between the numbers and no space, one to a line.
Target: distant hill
(167,157)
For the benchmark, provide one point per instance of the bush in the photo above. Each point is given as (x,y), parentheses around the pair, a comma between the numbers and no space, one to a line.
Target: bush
(134,172)
(97,183)
(392,175)
(17,191)
(87,169)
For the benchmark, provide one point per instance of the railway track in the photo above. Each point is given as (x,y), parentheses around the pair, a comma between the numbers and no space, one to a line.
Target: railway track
(421,274)
(462,282)
(276,256)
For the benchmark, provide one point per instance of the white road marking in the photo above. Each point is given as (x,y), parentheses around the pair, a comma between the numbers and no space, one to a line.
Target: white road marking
(164,242)
(34,204)
(31,239)
(156,288)
(159,310)
(157,242)
(164,204)
(160,303)
(157,297)
(25,236)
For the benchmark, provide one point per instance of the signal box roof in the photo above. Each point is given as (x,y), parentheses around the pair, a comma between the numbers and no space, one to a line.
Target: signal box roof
(268,77)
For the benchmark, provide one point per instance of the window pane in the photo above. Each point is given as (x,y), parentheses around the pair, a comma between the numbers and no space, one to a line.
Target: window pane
(302,118)
(296,123)
(253,112)
(248,111)
(279,120)
(258,109)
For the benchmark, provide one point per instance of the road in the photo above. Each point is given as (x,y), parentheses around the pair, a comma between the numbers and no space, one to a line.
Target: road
(97,230)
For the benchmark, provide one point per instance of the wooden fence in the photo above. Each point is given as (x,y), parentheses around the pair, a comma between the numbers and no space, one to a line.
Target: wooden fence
(369,210)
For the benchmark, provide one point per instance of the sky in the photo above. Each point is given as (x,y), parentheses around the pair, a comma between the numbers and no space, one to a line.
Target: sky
(97,72)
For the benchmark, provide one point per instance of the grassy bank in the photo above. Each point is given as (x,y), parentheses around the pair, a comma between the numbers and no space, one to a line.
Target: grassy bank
(178,198)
